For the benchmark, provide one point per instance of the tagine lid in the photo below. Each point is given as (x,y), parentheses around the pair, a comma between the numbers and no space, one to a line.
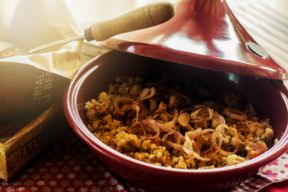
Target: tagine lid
(202,30)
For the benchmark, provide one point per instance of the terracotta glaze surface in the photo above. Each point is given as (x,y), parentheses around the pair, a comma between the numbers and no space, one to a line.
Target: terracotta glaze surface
(201,30)
(206,37)
(269,97)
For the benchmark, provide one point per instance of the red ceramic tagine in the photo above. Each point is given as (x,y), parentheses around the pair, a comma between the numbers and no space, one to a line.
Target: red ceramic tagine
(205,41)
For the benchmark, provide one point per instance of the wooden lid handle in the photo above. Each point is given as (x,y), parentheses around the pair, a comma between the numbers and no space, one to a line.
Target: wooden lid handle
(143,17)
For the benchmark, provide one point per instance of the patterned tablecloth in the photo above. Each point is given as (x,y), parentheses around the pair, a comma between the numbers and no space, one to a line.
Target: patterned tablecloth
(70,166)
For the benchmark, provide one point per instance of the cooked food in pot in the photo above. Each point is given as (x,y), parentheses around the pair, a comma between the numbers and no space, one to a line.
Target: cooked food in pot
(186,127)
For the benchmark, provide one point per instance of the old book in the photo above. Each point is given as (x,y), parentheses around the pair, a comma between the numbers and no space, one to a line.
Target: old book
(27,90)
(23,139)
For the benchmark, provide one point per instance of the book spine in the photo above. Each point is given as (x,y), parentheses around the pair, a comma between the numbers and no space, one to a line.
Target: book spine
(30,140)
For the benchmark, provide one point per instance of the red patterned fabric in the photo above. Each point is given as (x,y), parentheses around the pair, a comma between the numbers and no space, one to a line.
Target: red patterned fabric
(67,167)
(70,166)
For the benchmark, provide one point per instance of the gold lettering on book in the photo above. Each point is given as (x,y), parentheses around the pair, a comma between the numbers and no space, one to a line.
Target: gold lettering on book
(43,88)
(31,146)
